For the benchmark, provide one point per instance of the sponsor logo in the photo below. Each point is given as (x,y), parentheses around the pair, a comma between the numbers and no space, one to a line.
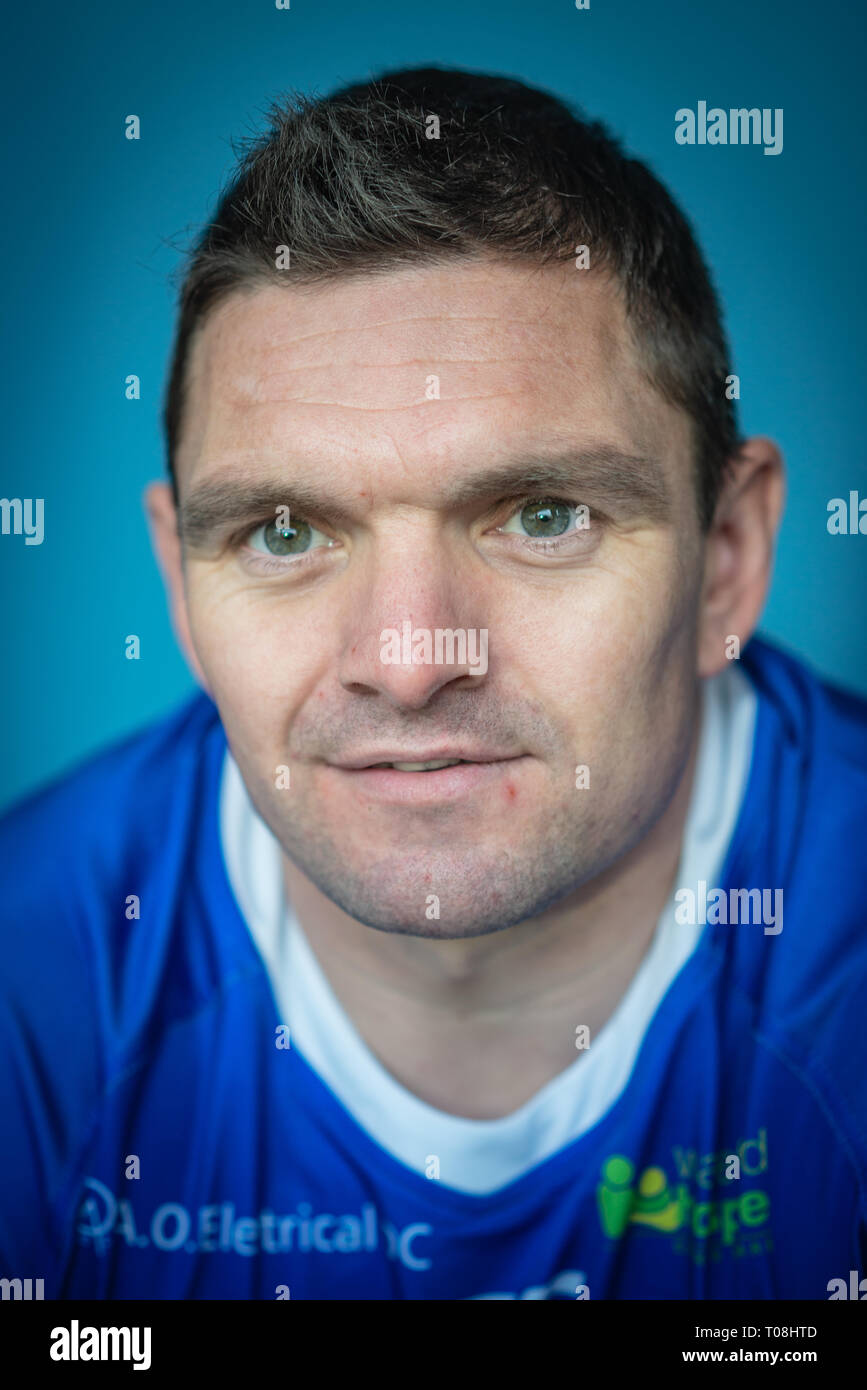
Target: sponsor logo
(103,1218)
(570,1285)
(700,1225)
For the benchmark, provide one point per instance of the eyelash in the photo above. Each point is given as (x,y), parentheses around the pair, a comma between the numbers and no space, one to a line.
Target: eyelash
(539,545)
(265,564)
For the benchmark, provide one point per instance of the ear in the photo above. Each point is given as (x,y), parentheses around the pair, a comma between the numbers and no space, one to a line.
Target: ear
(163,524)
(739,551)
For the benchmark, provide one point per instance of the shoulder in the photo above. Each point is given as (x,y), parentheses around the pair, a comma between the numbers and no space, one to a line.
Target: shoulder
(82,983)
(814,715)
(79,857)
(147,759)
(807,795)
(803,837)
(76,834)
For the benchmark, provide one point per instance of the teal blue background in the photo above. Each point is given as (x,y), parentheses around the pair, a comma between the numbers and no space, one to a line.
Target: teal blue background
(94,224)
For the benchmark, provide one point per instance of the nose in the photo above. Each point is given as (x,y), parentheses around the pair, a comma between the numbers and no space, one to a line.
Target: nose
(417,630)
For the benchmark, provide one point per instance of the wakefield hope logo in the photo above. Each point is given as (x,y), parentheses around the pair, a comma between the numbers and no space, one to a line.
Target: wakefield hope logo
(651,1201)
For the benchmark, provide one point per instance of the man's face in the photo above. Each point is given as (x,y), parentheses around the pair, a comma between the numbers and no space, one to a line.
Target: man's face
(433,433)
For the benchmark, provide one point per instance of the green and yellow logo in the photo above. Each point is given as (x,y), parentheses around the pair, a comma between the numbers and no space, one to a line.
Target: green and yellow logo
(649,1202)
(653,1202)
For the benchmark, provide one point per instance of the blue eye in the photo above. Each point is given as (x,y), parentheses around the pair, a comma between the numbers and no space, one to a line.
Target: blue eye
(286,541)
(546,517)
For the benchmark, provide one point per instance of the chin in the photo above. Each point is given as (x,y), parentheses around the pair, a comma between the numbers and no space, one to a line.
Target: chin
(439,902)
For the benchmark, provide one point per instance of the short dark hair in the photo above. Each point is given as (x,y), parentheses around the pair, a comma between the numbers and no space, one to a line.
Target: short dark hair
(352,183)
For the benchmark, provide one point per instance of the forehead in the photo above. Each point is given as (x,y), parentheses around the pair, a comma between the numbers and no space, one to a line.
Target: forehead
(427,370)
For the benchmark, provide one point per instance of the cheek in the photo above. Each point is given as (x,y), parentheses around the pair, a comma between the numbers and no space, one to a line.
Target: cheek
(618,662)
(251,660)
(589,645)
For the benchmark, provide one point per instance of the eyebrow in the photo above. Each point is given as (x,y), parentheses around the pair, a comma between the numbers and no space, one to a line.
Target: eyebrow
(214,509)
(633,484)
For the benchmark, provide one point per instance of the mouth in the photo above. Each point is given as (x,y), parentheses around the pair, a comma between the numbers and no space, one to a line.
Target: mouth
(433,765)
(425,781)
(421,759)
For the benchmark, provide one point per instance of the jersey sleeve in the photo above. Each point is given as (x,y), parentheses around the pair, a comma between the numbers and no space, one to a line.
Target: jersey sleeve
(50,1069)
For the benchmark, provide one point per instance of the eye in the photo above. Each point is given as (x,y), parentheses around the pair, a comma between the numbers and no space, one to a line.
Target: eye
(278,541)
(546,518)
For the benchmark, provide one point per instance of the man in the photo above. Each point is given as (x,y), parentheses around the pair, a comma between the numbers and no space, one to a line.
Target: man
(491,928)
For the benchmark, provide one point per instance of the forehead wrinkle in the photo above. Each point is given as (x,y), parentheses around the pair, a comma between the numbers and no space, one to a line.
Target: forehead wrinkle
(276,341)
(385,409)
(256,376)
(401,384)
(264,345)
(402,362)
(339,329)
(605,345)
(403,380)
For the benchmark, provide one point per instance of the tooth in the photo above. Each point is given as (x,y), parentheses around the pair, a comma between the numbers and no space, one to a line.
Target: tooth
(426,767)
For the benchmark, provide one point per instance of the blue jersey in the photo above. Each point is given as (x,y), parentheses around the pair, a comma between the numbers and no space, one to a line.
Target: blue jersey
(158,1142)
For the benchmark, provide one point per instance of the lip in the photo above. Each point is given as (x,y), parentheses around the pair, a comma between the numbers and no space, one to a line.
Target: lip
(364,761)
(423,788)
